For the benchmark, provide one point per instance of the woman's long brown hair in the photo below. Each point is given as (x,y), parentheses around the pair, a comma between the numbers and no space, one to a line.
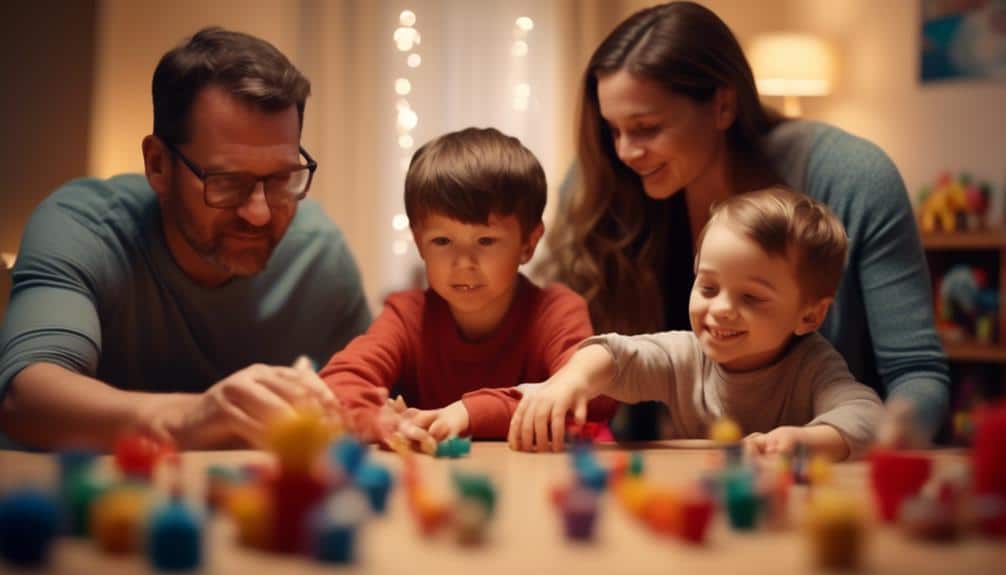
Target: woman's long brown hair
(609,241)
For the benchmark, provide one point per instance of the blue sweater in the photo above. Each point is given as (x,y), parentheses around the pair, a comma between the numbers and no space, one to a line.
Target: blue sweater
(882,318)
(97,291)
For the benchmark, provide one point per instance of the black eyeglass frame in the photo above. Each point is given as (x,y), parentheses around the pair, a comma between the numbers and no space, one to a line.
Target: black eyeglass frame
(198,172)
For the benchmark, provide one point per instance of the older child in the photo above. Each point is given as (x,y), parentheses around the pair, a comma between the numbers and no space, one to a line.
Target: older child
(768,265)
(456,351)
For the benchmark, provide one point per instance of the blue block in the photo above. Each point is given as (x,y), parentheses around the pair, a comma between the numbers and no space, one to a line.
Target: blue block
(175,537)
(29,521)
(593,476)
(349,454)
(336,544)
(375,481)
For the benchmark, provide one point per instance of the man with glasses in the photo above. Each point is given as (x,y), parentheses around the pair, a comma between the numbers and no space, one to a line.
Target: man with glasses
(174,304)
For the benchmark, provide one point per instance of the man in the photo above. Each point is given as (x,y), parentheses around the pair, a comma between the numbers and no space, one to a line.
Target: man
(175,304)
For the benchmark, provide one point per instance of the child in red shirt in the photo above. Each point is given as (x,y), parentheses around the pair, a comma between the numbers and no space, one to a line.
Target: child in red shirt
(457,351)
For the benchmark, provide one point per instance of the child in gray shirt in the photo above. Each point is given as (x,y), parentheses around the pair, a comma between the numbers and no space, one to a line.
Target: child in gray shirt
(767,268)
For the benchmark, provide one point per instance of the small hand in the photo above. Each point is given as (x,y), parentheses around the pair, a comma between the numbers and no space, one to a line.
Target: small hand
(450,421)
(781,440)
(539,422)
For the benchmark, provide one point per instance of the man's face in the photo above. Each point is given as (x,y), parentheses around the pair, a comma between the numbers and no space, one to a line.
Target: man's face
(213,245)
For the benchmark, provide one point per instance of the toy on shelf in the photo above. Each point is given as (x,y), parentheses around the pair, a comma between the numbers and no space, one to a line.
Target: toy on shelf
(954,204)
(967,306)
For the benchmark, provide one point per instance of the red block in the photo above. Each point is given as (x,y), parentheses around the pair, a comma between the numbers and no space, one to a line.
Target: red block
(989,464)
(696,513)
(293,496)
(895,475)
(136,454)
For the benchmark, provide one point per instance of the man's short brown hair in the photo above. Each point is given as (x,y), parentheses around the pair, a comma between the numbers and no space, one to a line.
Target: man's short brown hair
(473,173)
(249,68)
(794,226)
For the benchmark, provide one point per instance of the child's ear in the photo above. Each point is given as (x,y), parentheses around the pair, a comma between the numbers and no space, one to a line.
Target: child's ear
(419,245)
(527,251)
(157,164)
(813,315)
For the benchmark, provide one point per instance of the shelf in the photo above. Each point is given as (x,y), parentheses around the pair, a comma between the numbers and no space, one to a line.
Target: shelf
(989,239)
(975,352)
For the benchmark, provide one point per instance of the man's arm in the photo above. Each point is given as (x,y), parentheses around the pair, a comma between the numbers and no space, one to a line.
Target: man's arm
(51,407)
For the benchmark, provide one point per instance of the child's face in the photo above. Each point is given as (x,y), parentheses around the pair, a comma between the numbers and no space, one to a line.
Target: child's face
(745,304)
(474,267)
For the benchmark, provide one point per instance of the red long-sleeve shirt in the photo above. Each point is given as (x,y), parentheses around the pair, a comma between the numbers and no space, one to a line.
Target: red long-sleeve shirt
(415,346)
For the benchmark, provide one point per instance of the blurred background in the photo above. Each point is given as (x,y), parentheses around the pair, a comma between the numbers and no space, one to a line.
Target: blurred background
(387,75)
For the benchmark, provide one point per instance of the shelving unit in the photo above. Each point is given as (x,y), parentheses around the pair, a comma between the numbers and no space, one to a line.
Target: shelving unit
(945,249)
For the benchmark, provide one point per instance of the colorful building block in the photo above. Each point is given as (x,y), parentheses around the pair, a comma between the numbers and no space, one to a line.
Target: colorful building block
(336,526)
(580,514)
(29,522)
(895,475)
(118,518)
(375,481)
(175,537)
(834,525)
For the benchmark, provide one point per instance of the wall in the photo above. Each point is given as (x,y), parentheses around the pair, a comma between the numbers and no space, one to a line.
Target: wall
(925,128)
(46,64)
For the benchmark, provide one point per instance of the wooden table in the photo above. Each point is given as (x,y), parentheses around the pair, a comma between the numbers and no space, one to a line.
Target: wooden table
(526,535)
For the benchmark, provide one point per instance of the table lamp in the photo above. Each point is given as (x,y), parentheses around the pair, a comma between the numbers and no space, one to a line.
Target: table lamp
(792,65)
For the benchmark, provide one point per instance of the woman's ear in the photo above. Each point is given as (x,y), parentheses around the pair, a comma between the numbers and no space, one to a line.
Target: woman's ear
(527,250)
(725,101)
(813,316)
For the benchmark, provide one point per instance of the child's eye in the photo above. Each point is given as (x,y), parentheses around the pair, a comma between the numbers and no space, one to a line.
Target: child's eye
(707,291)
(647,130)
(751,298)
(487,241)
(440,241)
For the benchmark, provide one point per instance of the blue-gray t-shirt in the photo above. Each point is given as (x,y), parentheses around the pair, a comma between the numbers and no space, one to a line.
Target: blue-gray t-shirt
(96,290)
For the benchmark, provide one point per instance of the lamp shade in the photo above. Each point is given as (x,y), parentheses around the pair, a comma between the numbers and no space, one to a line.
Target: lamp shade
(789,64)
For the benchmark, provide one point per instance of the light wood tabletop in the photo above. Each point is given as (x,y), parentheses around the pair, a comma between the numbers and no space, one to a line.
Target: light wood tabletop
(526,534)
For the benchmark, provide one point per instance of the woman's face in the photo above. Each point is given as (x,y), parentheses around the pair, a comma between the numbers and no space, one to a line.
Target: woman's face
(671,141)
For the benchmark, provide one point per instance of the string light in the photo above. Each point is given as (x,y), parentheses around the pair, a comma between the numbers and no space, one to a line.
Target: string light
(519,49)
(406,38)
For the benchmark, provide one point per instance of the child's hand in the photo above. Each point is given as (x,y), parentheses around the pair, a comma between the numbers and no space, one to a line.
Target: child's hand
(543,410)
(781,440)
(450,421)
(410,422)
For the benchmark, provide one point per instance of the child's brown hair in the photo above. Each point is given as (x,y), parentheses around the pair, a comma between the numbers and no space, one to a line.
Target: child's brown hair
(794,226)
(472,173)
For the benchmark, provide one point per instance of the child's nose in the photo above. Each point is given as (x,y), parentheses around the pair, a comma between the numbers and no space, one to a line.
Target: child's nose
(722,306)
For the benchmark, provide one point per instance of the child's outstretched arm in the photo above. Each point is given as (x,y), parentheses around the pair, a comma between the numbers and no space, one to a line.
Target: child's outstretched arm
(822,440)
(540,418)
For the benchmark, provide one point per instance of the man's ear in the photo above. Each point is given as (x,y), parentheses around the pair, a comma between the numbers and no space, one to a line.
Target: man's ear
(725,101)
(813,315)
(527,250)
(157,163)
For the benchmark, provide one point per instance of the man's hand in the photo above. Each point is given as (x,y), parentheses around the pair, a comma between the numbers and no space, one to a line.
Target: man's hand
(237,409)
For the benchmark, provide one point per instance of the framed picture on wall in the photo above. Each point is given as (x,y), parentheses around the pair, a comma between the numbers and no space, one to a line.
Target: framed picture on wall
(963,39)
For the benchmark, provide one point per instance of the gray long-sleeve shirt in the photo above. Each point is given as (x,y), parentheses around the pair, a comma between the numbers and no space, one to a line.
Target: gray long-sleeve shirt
(809,385)
(97,291)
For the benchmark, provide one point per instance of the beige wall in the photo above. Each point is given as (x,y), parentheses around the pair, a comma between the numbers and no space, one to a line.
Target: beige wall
(133,36)
(925,128)
(46,55)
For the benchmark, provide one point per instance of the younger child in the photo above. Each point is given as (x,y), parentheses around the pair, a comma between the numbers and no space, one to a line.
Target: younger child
(457,350)
(767,267)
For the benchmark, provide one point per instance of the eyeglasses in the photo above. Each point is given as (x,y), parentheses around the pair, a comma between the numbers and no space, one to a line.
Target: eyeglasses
(231,189)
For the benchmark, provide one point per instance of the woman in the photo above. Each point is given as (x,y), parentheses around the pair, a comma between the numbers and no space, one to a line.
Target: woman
(670,123)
